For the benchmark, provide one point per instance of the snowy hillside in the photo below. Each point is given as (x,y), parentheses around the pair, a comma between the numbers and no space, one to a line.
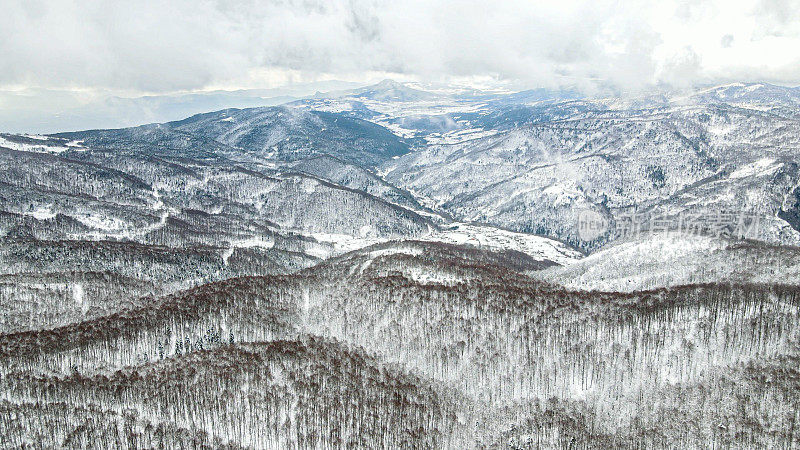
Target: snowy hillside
(665,260)
(664,160)
(409,266)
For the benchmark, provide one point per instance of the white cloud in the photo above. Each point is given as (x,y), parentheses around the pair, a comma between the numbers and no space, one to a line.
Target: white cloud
(165,46)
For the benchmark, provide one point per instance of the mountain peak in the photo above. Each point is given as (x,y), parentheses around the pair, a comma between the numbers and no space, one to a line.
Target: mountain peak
(390,90)
(389,84)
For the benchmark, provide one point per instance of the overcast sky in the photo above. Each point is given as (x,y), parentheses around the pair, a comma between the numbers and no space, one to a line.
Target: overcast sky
(128,48)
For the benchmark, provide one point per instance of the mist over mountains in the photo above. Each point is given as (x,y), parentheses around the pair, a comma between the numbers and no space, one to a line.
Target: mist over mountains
(39,110)
(408,266)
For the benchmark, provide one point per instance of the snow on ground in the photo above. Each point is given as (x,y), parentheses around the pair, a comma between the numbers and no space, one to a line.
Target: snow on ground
(331,244)
(158,204)
(458,136)
(413,251)
(78,297)
(46,145)
(423,276)
(389,112)
(563,193)
(259,242)
(103,223)
(722,129)
(33,148)
(107,227)
(491,238)
(637,264)
(422,107)
(478,236)
(484,237)
(764,166)
(672,259)
(40,213)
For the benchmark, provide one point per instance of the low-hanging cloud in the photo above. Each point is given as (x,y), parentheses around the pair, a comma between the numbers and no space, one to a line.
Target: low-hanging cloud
(168,46)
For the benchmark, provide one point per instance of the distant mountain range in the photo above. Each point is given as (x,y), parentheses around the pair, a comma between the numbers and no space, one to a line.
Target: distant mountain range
(48,111)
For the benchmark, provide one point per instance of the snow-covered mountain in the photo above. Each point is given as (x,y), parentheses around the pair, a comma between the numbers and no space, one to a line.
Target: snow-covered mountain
(674,259)
(666,160)
(402,267)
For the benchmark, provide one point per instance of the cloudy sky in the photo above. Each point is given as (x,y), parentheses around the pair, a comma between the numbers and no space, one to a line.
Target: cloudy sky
(83,50)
